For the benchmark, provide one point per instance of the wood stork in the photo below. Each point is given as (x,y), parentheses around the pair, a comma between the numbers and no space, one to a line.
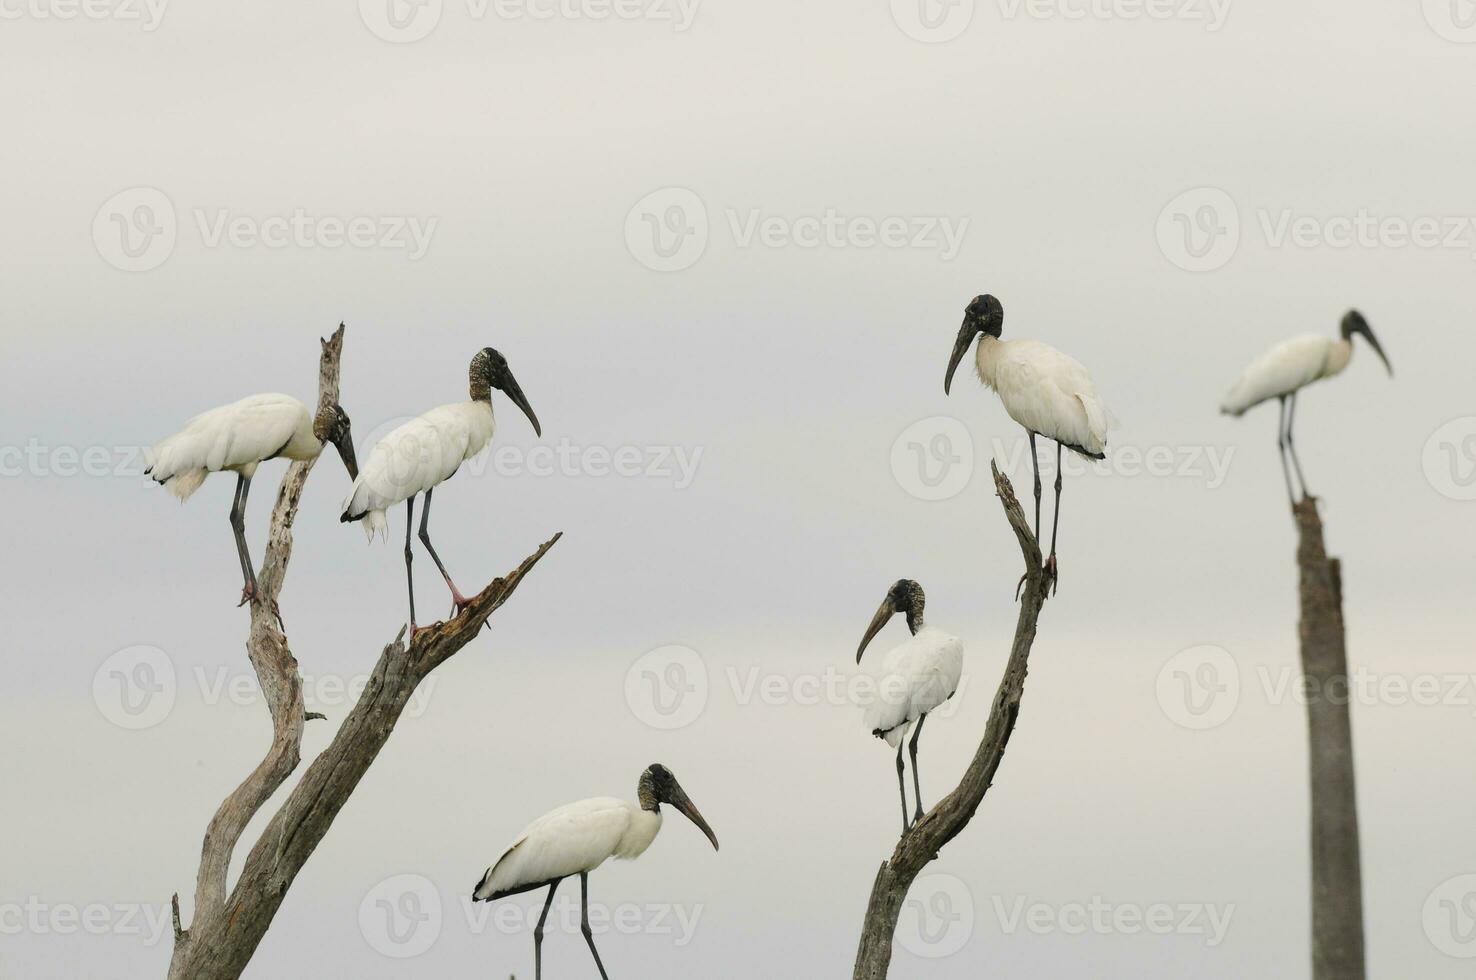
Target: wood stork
(427,451)
(1047,392)
(1287,368)
(577,838)
(239,437)
(916,677)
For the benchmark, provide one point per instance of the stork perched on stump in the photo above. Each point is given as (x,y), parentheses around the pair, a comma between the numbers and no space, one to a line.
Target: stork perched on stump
(1284,370)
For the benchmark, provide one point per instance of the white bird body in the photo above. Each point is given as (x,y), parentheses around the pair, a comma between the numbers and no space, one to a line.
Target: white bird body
(1289,366)
(235,437)
(573,839)
(1045,391)
(916,677)
(417,456)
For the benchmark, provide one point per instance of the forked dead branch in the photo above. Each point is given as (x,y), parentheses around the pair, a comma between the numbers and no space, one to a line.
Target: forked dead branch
(228,925)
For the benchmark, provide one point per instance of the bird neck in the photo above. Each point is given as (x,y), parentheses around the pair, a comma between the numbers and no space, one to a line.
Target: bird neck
(915,621)
(986,358)
(1338,356)
(481,391)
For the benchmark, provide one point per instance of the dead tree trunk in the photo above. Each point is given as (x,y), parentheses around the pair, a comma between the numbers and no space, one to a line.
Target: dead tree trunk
(940,825)
(1337,890)
(227,926)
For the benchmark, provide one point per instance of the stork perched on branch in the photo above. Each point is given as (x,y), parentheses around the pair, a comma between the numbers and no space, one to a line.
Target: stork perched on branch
(1284,370)
(427,451)
(1047,392)
(239,437)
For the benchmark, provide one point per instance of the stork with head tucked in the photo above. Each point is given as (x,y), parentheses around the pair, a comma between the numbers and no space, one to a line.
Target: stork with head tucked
(1047,392)
(916,677)
(239,437)
(427,451)
(1287,368)
(577,838)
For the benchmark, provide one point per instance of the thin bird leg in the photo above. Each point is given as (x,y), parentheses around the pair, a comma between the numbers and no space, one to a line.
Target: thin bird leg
(1291,447)
(902,786)
(1055,522)
(916,785)
(1035,466)
(409,578)
(238,526)
(538,933)
(1291,494)
(456,597)
(584,922)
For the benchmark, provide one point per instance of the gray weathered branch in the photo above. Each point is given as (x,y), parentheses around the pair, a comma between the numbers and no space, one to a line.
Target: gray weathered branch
(226,928)
(951,814)
(1337,890)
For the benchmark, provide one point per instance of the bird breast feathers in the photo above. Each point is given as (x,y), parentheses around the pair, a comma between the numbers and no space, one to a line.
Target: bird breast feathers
(917,676)
(236,435)
(578,837)
(1047,392)
(422,453)
(1283,369)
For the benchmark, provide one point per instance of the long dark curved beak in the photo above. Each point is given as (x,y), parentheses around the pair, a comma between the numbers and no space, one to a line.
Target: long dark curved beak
(1373,342)
(966,335)
(883,615)
(513,391)
(684,803)
(345,446)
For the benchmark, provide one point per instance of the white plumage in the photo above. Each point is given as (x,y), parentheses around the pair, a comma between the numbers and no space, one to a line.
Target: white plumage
(1284,370)
(234,437)
(415,457)
(578,838)
(575,838)
(1046,391)
(1290,365)
(916,676)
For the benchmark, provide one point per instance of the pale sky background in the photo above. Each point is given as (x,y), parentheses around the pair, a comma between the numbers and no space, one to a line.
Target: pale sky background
(793,371)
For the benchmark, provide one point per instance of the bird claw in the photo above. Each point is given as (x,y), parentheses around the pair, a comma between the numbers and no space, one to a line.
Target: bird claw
(248,592)
(1052,581)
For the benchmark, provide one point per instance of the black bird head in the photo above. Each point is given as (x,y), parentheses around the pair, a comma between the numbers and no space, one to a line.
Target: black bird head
(905,596)
(332,425)
(489,370)
(659,786)
(983,315)
(1355,323)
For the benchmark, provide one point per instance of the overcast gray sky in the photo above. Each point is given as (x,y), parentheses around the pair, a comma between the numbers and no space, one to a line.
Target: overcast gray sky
(741,236)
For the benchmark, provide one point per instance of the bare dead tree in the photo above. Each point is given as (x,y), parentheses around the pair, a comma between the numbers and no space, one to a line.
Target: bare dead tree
(228,924)
(923,842)
(1337,889)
